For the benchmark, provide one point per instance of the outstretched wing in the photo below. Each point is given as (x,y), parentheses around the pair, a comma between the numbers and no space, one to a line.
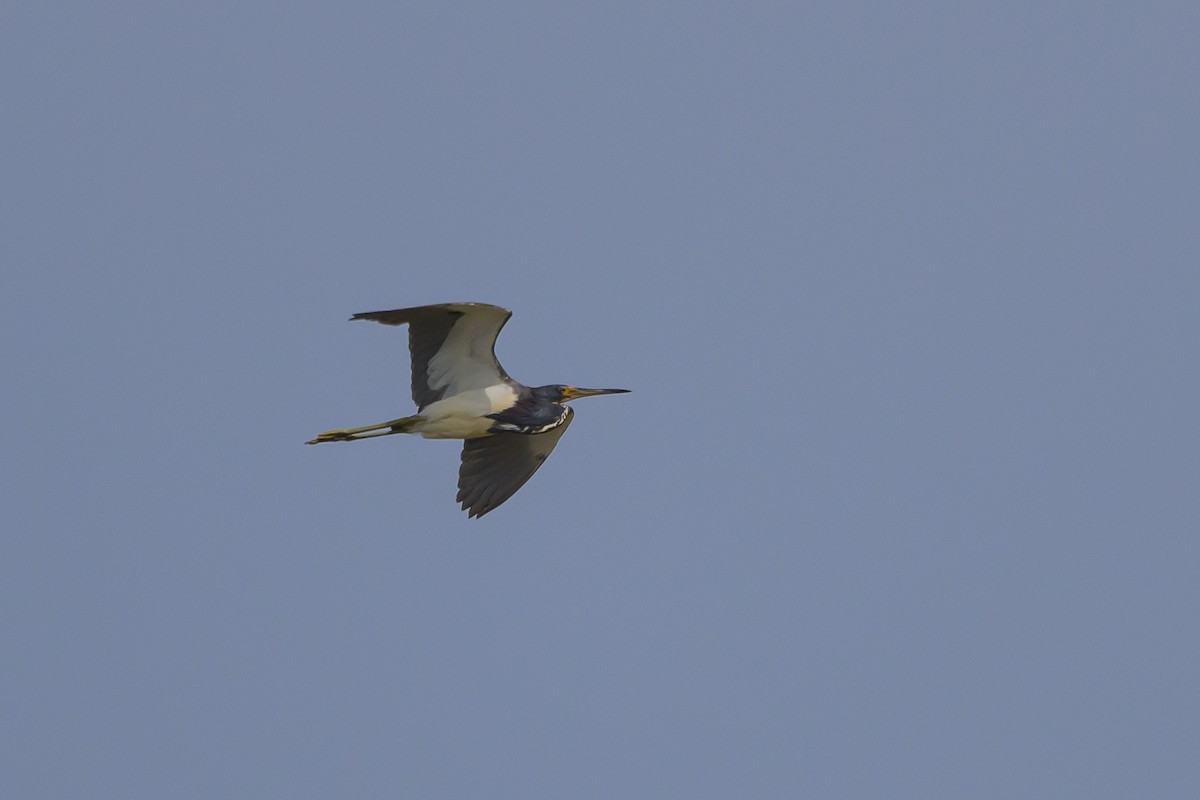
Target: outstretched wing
(453,347)
(494,467)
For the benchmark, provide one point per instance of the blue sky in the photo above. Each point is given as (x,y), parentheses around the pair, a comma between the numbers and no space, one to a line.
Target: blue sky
(903,503)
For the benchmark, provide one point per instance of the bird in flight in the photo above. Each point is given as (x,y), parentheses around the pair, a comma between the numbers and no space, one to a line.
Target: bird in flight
(462,392)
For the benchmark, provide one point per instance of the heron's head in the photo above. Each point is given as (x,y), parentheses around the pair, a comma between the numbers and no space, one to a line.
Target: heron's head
(560,393)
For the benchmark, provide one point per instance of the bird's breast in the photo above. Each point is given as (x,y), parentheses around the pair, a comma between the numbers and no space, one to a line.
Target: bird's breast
(464,415)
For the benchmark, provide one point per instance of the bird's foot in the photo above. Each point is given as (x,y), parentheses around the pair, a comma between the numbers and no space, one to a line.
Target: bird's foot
(331,436)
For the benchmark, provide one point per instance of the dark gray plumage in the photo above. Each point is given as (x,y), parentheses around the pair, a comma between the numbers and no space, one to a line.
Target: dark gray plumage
(494,467)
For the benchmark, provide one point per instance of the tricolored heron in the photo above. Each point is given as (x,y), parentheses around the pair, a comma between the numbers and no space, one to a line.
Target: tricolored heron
(462,392)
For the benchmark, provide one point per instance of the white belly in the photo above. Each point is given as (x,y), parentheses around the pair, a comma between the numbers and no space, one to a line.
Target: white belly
(464,416)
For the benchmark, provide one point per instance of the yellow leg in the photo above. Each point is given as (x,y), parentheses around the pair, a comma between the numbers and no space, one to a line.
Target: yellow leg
(365,432)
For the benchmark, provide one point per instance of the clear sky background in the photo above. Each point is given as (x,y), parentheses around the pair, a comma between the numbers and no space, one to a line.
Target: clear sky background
(904,503)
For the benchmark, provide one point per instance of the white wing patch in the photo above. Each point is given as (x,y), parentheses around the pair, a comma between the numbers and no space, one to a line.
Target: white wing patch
(465,360)
(501,396)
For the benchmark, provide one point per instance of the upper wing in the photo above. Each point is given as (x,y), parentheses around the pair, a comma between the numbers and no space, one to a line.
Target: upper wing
(494,467)
(453,347)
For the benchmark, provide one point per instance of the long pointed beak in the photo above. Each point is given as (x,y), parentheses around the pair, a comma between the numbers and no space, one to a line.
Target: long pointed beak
(574,393)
